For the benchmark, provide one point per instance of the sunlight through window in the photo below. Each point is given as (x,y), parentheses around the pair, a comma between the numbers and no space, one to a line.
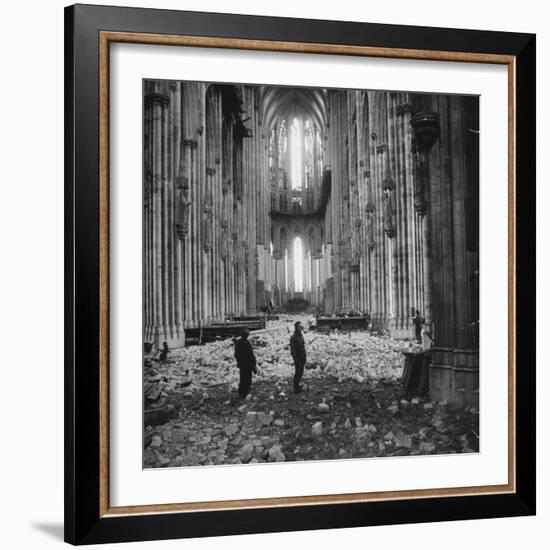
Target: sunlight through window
(298,265)
(296,154)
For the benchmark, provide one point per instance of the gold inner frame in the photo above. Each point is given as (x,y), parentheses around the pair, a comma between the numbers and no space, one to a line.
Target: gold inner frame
(105,39)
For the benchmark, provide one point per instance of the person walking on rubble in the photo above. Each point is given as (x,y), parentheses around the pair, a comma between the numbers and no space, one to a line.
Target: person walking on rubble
(246,361)
(298,352)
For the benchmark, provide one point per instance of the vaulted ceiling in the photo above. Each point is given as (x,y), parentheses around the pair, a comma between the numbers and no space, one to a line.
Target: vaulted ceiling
(278,102)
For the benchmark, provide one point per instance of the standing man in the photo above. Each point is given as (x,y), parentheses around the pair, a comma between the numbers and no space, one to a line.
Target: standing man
(246,361)
(298,352)
(418,322)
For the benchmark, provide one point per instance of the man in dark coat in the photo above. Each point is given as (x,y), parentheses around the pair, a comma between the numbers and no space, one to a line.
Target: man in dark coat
(298,352)
(418,322)
(246,361)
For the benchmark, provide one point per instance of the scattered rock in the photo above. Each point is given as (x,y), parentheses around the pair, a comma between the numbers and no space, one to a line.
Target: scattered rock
(156,441)
(426,447)
(404,440)
(342,453)
(245,452)
(209,426)
(253,420)
(424,432)
(275,454)
(231,430)
(362,432)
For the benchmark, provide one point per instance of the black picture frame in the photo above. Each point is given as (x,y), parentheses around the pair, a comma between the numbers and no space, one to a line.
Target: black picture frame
(84,522)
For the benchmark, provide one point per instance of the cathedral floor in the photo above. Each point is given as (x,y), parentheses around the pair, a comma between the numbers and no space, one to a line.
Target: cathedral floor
(352,405)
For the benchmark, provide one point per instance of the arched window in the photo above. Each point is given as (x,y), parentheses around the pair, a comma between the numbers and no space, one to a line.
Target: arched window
(308,147)
(282,155)
(296,154)
(298,265)
(282,144)
(320,151)
(271,156)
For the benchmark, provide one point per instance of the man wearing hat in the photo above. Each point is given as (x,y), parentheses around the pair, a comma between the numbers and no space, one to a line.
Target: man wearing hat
(298,352)
(246,361)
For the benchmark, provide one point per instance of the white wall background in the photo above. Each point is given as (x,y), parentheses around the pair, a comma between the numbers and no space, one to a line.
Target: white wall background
(31,319)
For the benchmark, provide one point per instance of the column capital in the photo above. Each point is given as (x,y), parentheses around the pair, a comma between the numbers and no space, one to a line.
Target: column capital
(157,99)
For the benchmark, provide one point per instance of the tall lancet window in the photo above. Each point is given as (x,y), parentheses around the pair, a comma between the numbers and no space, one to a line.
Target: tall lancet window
(272,156)
(282,154)
(298,265)
(296,164)
(320,154)
(309,160)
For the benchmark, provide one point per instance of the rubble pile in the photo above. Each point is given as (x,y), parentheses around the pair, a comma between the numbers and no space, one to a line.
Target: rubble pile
(359,356)
(352,404)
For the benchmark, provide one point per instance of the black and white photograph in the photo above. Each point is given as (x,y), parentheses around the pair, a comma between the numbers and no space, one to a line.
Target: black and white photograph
(310,274)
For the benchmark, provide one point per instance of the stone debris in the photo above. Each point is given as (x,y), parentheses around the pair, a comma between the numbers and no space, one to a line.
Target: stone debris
(156,441)
(426,447)
(317,429)
(232,429)
(360,356)
(352,404)
(275,454)
(403,440)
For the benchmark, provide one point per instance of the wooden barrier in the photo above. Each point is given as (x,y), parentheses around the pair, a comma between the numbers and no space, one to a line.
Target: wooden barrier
(326,324)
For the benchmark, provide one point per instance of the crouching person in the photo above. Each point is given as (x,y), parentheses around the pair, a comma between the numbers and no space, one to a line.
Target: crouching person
(246,361)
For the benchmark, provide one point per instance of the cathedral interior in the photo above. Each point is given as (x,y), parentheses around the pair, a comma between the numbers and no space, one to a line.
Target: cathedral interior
(320,201)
